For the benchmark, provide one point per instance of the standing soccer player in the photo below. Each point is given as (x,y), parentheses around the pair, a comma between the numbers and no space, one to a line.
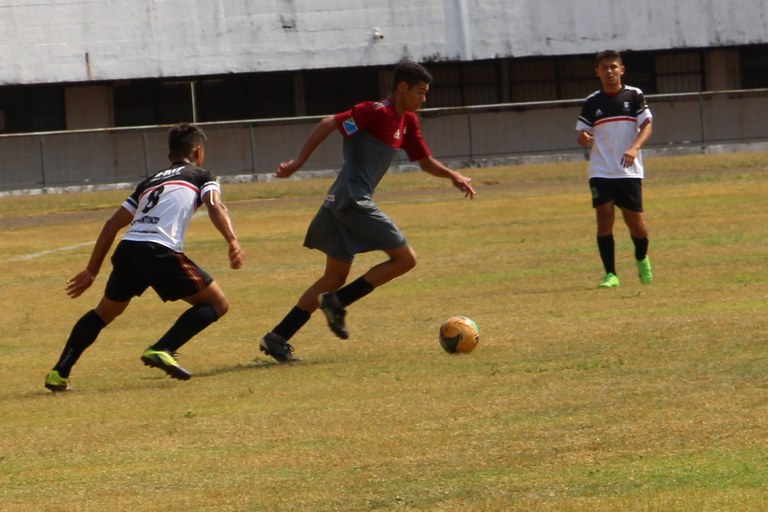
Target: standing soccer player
(615,122)
(150,254)
(348,222)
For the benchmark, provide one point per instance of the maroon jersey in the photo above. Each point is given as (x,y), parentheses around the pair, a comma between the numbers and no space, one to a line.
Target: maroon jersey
(373,133)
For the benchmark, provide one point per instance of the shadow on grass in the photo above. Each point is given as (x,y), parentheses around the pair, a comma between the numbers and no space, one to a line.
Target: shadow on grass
(158,380)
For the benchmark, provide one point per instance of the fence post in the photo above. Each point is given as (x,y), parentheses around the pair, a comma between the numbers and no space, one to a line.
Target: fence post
(702,135)
(42,163)
(144,150)
(469,137)
(253,149)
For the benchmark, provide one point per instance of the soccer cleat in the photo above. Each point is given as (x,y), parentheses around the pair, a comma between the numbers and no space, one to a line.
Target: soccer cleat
(166,362)
(609,281)
(334,313)
(644,270)
(56,382)
(276,347)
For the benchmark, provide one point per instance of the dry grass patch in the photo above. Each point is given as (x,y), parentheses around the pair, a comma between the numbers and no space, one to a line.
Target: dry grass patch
(639,398)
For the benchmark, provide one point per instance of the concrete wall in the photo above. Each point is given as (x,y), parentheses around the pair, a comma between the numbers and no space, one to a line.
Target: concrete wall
(50,41)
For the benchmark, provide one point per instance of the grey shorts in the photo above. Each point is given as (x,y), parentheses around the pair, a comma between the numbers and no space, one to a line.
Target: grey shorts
(343,233)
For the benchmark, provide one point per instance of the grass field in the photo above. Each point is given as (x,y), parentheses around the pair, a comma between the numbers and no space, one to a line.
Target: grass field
(641,398)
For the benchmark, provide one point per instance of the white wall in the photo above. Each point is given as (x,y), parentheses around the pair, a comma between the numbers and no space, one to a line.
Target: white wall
(81,40)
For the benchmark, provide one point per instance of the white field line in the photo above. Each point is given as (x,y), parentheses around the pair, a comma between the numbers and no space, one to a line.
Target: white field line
(33,255)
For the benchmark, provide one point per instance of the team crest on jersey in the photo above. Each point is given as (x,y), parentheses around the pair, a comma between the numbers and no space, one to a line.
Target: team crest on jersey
(349,126)
(626,106)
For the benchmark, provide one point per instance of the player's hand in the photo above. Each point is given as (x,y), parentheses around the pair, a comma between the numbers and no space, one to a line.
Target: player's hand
(584,139)
(236,255)
(465,185)
(286,169)
(628,158)
(78,284)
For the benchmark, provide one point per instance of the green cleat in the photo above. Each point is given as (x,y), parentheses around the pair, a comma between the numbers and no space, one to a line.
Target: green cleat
(609,281)
(56,382)
(644,270)
(166,362)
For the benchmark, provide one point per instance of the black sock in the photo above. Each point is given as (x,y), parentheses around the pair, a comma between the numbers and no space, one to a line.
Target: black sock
(354,291)
(191,322)
(606,247)
(641,248)
(293,321)
(84,333)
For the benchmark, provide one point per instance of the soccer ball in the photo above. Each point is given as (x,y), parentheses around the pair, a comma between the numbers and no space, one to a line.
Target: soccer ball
(459,334)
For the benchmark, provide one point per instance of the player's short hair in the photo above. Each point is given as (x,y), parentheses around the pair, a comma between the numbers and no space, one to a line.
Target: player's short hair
(411,73)
(183,137)
(607,55)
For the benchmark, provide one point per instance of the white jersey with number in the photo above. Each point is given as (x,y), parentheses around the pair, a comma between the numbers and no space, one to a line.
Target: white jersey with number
(163,204)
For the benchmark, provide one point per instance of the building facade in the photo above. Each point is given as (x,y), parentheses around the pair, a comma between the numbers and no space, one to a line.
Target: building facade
(80,64)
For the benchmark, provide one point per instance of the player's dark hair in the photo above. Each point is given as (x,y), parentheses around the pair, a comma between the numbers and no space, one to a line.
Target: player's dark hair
(607,55)
(183,137)
(411,73)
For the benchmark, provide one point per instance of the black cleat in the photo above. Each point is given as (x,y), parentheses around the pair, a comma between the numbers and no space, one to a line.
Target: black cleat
(334,313)
(277,348)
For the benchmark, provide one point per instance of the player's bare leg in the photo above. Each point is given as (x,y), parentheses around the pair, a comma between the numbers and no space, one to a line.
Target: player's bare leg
(401,260)
(333,278)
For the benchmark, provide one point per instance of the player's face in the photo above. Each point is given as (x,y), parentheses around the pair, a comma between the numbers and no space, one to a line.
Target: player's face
(609,72)
(415,96)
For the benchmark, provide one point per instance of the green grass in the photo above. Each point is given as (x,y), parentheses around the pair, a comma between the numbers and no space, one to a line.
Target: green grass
(577,399)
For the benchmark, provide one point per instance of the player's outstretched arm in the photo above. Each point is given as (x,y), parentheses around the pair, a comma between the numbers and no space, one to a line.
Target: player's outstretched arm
(84,279)
(217,212)
(434,167)
(316,137)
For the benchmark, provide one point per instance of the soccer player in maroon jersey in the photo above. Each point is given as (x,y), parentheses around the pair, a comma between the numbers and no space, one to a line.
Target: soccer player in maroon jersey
(614,124)
(150,253)
(348,222)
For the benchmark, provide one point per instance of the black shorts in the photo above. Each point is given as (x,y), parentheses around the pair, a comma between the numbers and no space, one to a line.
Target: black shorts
(343,233)
(139,265)
(626,193)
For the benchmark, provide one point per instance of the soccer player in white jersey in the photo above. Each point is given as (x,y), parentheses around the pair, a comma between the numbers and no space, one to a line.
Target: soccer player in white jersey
(150,254)
(614,124)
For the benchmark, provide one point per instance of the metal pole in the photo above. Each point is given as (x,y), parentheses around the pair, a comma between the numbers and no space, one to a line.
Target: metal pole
(144,150)
(253,149)
(469,137)
(193,98)
(701,121)
(42,163)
